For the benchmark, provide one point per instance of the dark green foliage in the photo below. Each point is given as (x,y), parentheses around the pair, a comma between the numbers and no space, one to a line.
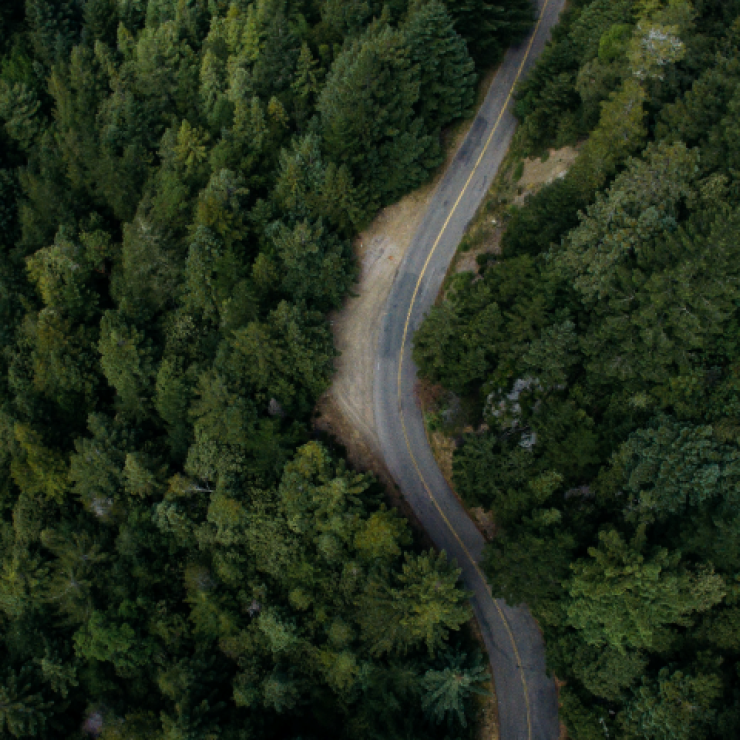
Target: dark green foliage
(601,349)
(447,688)
(368,118)
(550,214)
(446,91)
(54,27)
(490,27)
(548,101)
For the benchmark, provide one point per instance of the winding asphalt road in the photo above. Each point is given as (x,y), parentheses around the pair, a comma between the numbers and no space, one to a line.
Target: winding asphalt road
(527,699)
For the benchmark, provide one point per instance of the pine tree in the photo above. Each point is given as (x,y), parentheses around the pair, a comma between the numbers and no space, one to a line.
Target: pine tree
(72,573)
(601,243)
(678,705)
(105,638)
(24,576)
(54,27)
(278,53)
(308,188)
(314,265)
(40,470)
(306,84)
(489,28)
(211,271)
(19,107)
(340,200)
(669,467)
(447,78)
(146,280)
(126,359)
(101,20)
(609,673)
(172,402)
(529,565)
(23,711)
(447,690)
(429,604)
(288,357)
(59,672)
(96,467)
(368,119)
(381,536)
(627,599)
(191,147)
(212,90)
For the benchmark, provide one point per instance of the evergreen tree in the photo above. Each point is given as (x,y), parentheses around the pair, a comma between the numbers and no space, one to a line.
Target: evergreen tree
(676,705)
(368,120)
(429,604)
(23,711)
(127,361)
(489,28)
(449,688)
(446,90)
(624,599)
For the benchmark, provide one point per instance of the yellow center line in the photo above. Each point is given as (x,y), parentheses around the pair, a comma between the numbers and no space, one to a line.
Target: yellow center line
(400,367)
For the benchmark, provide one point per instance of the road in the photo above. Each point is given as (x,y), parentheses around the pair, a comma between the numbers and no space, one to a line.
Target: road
(526,696)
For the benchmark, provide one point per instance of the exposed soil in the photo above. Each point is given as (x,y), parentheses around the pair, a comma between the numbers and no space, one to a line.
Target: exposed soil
(443,448)
(563,729)
(485,231)
(537,173)
(484,521)
(379,251)
(468,261)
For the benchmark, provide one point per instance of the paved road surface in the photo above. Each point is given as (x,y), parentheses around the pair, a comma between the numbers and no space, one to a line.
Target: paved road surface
(527,700)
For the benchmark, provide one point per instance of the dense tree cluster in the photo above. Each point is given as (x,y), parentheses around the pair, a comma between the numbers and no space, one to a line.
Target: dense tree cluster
(179,183)
(603,351)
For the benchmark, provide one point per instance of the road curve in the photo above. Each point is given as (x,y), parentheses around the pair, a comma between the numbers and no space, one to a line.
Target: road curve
(526,696)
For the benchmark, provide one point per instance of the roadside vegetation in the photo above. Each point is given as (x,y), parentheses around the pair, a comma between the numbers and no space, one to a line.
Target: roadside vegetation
(179,184)
(598,353)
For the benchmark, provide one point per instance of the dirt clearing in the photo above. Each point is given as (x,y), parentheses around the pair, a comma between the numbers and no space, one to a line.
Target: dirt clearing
(537,172)
(515,181)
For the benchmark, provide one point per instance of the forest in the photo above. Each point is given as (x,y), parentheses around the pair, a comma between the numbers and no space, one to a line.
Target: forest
(180,181)
(600,351)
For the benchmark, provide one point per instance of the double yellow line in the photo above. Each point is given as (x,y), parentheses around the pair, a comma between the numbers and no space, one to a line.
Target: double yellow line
(403,347)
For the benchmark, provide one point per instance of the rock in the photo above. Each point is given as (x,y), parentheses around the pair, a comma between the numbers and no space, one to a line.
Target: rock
(275,409)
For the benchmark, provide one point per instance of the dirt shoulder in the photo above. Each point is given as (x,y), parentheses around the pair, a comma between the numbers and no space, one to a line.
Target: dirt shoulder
(346,409)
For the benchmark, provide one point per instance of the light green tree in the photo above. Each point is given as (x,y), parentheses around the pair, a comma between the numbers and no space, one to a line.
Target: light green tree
(429,602)
(40,470)
(676,706)
(626,597)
